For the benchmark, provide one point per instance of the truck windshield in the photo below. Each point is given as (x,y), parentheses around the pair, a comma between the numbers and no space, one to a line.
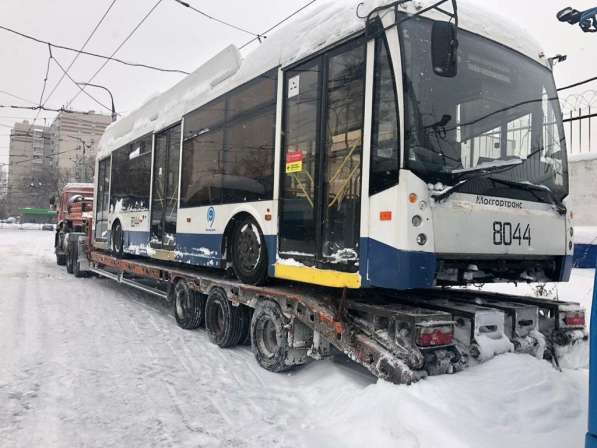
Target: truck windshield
(501,110)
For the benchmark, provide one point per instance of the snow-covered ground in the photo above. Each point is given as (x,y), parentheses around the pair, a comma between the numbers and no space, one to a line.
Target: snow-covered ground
(86,362)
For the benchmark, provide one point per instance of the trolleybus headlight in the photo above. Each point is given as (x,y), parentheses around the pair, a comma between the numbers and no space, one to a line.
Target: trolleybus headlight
(570,245)
(417,220)
(421,239)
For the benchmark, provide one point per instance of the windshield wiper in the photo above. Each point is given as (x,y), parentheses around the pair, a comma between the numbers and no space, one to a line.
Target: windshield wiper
(532,188)
(491,169)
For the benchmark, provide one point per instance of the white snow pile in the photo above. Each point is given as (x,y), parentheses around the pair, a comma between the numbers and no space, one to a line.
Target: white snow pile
(585,235)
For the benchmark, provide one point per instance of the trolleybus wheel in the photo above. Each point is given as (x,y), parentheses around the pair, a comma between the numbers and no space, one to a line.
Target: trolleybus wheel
(249,252)
(222,320)
(188,306)
(117,239)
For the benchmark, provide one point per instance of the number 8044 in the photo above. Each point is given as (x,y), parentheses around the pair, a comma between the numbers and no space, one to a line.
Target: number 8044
(507,234)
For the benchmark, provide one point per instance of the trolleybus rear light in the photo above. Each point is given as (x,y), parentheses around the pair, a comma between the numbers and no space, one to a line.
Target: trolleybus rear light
(412,198)
(385,216)
(435,336)
(421,239)
(576,319)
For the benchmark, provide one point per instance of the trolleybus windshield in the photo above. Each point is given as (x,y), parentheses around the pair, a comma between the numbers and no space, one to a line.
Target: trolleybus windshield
(501,109)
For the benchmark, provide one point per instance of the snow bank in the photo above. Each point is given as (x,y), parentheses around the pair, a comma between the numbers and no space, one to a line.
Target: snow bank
(24,226)
(582,157)
(513,401)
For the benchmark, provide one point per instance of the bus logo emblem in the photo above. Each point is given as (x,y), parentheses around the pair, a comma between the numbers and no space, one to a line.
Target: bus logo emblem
(211,216)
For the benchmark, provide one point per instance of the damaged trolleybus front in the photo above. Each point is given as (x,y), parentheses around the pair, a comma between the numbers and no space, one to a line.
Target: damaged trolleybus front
(406,148)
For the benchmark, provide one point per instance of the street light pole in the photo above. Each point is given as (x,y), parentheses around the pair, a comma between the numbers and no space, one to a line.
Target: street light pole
(114,115)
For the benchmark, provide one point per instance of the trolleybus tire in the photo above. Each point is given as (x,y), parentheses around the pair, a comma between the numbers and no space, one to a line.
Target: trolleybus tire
(223,321)
(117,239)
(269,337)
(249,252)
(189,306)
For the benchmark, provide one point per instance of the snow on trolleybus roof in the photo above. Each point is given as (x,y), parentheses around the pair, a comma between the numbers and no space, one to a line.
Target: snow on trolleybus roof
(329,22)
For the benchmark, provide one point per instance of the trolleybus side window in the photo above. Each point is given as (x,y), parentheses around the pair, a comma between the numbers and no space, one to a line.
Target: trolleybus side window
(103,198)
(131,171)
(228,152)
(384,144)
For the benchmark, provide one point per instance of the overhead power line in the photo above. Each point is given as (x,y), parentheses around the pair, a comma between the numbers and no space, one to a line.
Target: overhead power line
(49,109)
(17,97)
(215,19)
(576,84)
(126,39)
(65,72)
(87,53)
(269,30)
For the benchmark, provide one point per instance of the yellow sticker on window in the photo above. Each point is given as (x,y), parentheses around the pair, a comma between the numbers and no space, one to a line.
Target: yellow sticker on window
(294,167)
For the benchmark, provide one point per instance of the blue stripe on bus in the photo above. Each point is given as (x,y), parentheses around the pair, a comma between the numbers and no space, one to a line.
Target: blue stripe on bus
(585,256)
(197,249)
(388,267)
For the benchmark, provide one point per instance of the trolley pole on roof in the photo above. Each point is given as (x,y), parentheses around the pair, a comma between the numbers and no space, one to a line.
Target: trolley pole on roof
(114,114)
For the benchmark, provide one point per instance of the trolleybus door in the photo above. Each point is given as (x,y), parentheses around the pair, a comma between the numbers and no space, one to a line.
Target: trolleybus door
(321,158)
(164,200)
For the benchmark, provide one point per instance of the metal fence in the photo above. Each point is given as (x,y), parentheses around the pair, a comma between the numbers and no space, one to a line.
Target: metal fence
(580,122)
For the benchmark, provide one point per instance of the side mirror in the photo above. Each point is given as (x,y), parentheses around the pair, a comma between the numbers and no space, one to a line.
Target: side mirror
(444,49)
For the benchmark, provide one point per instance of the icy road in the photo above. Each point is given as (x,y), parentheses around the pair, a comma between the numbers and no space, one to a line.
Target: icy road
(85,362)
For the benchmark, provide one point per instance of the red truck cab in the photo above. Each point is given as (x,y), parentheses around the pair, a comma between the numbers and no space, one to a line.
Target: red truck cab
(75,207)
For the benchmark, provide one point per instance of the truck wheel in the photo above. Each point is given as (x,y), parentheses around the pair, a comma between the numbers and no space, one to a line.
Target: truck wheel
(222,320)
(60,259)
(117,239)
(76,265)
(269,338)
(69,257)
(188,306)
(249,252)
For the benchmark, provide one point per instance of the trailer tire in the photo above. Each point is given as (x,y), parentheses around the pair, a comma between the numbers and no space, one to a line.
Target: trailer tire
(246,316)
(249,252)
(189,306)
(269,337)
(60,259)
(223,321)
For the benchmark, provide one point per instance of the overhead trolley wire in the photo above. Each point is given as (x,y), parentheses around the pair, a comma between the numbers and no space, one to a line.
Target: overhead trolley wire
(126,39)
(65,72)
(215,19)
(576,84)
(87,53)
(269,30)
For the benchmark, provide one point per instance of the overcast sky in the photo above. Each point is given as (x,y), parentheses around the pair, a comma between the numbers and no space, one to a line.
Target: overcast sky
(176,37)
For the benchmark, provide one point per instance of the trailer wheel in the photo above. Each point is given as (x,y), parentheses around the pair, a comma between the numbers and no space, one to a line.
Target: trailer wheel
(249,252)
(222,320)
(269,337)
(188,306)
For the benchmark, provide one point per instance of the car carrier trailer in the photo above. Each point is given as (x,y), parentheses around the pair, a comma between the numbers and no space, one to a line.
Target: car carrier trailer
(399,336)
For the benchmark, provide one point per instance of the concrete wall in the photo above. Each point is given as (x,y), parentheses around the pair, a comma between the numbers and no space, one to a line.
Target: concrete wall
(583,189)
